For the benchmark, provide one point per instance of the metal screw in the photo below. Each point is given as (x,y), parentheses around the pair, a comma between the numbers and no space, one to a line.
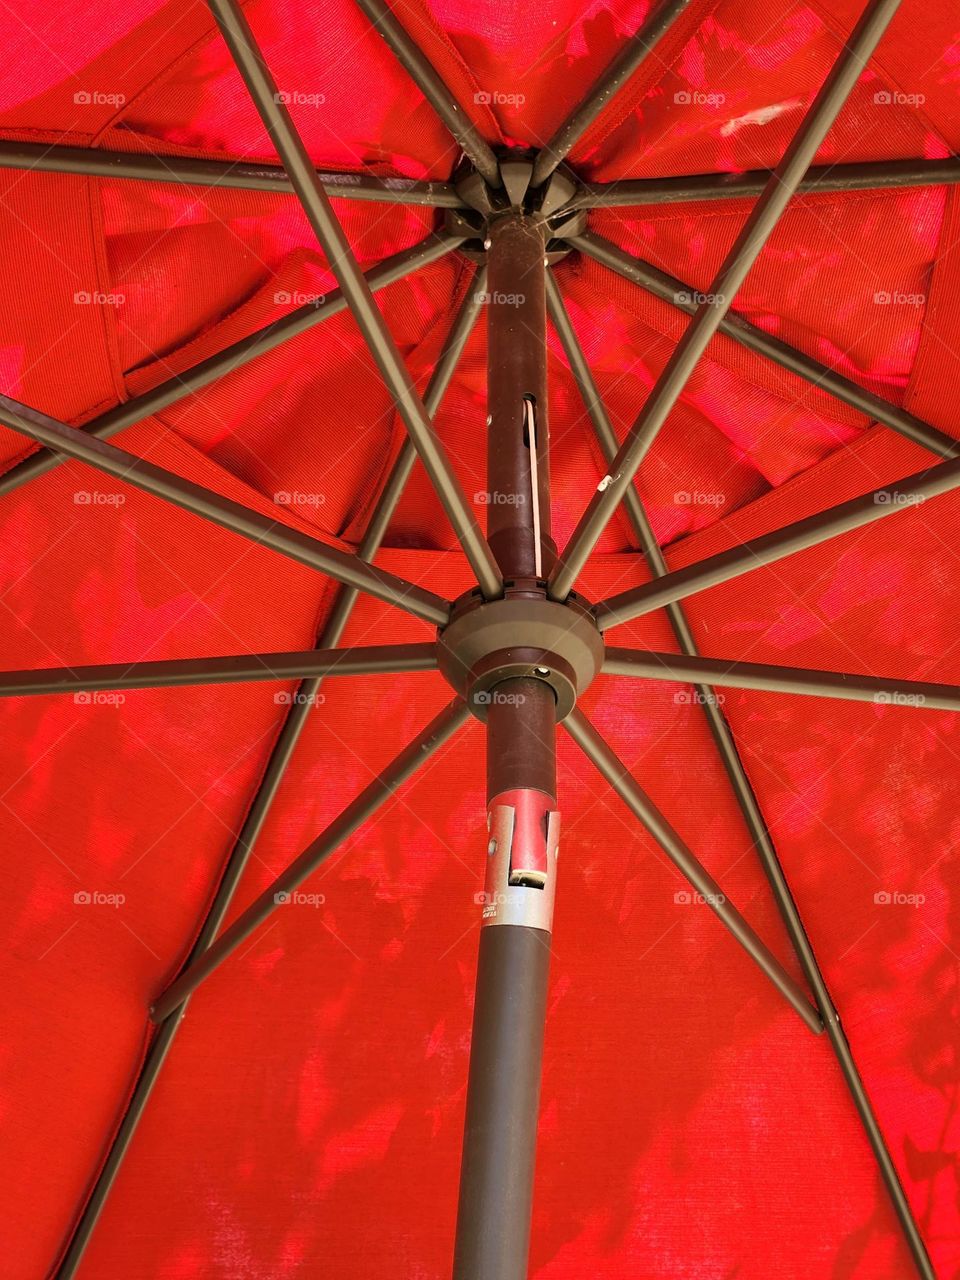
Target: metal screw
(541,671)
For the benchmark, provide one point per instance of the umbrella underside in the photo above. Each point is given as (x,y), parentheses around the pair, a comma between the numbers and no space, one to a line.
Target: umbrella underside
(178,284)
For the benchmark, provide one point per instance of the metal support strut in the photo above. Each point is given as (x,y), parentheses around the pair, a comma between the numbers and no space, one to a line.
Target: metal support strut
(496,1177)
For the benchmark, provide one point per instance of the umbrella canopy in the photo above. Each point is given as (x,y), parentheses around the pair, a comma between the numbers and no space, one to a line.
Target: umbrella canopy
(754,508)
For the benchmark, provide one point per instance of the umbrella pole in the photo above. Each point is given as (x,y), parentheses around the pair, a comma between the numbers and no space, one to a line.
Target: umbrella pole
(496,1177)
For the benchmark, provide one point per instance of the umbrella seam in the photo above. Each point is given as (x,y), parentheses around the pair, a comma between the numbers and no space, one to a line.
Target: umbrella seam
(425,23)
(936,284)
(833,460)
(116,121)
(625,103)
(879,65)
(108,315)
(771,374)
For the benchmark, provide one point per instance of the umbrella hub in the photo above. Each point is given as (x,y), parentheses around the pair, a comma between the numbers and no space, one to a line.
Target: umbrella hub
(547,205)
(525,635)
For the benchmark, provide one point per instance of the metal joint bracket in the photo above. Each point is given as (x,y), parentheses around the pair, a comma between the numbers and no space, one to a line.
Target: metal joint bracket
(487,642)
(521,878)
(553,205)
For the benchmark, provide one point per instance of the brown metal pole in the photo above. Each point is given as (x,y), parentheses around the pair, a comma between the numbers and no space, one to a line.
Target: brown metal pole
(496,1177)
(517,399)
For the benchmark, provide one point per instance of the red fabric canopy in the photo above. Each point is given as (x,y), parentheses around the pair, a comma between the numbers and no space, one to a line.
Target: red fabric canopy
(309,1118)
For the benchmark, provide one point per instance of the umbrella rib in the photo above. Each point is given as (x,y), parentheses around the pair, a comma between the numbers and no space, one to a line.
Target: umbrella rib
(326,227)
(428,80)
(208,954)
(607,439)
(747,247)
(370,799)
(677,294)
(234,175)
(770,547)
(235,356)
(387,659)
(868,176)
(299,710)
(769,678)
(636,50)
(696,670)
(806,956)
(264,530)
(356,295)
(608,764)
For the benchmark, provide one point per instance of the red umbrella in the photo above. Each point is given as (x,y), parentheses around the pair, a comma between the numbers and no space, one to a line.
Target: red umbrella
(661,299)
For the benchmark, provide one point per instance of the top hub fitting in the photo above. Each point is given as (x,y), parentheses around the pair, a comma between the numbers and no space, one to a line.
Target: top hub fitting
(546,204)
